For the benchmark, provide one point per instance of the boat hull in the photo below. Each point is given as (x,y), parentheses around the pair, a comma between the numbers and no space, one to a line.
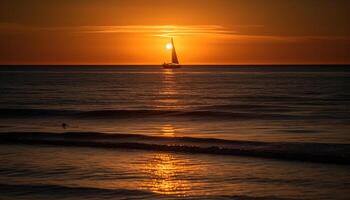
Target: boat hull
(171,66)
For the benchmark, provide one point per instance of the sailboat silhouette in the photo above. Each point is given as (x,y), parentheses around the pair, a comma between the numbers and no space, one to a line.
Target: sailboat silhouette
(174,59)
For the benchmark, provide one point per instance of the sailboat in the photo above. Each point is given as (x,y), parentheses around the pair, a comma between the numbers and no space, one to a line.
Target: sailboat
(174,59)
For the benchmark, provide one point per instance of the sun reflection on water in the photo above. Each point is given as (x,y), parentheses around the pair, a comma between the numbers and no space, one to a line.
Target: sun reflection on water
(168,130)
(165,170)
(168,94)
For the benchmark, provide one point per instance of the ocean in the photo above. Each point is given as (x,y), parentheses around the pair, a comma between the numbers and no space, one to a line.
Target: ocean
(199,132)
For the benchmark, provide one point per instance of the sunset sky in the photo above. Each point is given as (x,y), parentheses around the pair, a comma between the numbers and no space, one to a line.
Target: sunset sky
(205,31)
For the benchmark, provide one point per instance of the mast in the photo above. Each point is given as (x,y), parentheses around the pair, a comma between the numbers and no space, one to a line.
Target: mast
(174,58)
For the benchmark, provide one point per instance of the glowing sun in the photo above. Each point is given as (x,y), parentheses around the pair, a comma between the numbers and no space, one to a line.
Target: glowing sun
(169,46)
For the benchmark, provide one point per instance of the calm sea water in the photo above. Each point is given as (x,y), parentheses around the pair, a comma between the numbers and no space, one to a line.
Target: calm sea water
(148,133)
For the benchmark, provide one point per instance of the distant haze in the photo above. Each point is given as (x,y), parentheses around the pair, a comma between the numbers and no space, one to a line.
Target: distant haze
(205,31)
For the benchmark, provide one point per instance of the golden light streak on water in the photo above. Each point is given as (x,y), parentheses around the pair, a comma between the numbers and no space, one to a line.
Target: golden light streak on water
(168,130)
(168,91)
(164,170)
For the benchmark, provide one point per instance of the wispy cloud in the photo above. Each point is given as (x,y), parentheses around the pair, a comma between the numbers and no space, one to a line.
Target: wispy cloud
(161,30)
(216,31)
(153,30)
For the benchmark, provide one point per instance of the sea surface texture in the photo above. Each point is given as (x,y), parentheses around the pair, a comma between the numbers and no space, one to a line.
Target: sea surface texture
(199,132)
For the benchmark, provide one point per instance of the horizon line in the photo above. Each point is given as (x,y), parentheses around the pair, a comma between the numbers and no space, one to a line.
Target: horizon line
(189,65)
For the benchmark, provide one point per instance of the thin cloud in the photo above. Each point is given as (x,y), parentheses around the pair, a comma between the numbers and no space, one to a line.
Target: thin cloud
(214,31)
(163,31)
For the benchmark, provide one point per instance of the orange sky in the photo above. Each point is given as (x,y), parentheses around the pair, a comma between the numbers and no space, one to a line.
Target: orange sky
(205,31)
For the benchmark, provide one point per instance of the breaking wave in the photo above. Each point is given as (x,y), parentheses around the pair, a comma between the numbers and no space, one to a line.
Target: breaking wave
(307,152)
(254,113)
